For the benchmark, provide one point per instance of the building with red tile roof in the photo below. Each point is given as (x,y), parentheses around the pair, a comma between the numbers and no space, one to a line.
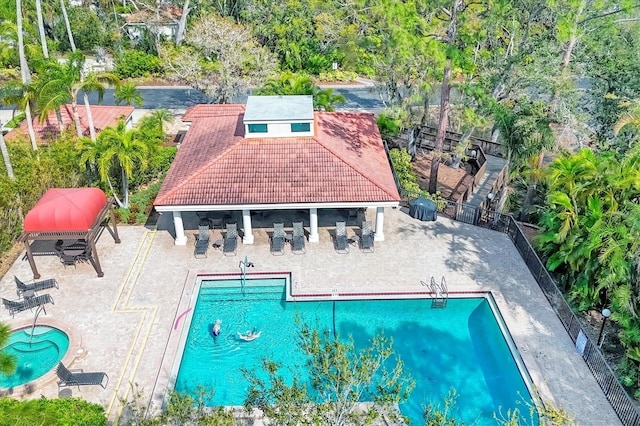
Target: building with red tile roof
(49,129)
(292,158)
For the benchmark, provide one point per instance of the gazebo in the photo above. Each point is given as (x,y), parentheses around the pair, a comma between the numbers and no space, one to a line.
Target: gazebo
(69,214)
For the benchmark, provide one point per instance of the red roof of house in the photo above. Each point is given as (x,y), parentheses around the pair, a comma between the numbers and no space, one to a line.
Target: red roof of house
(65,209)
(212,110)
(103,116)
(215,165)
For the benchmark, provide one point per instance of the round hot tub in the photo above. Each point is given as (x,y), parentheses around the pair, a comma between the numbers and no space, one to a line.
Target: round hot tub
(37,351)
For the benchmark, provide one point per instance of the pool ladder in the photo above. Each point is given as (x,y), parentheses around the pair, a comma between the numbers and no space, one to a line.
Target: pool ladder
(440,293)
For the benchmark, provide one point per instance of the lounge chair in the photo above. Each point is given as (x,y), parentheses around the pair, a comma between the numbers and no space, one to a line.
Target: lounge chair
(230,243)
(30,303)
(69,378)
(297,240)
(278,239)
(35,286)
(202,240)
(366,239)
(341,241)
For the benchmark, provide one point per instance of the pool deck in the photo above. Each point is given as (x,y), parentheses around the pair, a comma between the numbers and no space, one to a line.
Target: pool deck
(122,323)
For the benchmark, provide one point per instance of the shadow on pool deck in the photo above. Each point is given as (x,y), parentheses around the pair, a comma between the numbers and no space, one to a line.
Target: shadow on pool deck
(123,321)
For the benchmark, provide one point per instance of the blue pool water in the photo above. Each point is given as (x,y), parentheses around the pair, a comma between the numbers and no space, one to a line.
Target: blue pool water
(460,346)
(36,357)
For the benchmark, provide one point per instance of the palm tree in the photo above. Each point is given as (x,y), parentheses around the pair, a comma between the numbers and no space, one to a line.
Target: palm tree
(630,118)
(6,158)
(289,83)
(61,83)
(129,94)
(7,362)
(43,38)
(25,74)
(117,147)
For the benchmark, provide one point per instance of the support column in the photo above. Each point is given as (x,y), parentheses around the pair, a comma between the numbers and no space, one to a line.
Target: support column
(247,238)
(379,235)
(314,237)
(181,239)
(31,260)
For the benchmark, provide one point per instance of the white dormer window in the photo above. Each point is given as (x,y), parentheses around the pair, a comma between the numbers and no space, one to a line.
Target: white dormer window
(278,117)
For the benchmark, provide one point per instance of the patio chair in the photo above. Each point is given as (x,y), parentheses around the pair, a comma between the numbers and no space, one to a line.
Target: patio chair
(30,303)
(69,378)
(202,241)
(230,243)
(35,286)
(278,239)
(297,240)
(341,241)
(366,239)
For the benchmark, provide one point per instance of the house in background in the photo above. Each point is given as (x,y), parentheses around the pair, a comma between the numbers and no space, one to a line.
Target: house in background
(49,129)
(274,154)
(162,24)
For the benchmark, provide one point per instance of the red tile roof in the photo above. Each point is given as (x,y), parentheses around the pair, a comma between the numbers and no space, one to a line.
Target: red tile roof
(103,116)
(215,165)
(212,110)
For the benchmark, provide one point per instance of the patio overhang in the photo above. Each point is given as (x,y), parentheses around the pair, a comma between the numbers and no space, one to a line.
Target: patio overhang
(288,206)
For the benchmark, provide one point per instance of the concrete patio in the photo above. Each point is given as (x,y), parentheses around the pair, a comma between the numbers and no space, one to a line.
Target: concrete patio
(122,323)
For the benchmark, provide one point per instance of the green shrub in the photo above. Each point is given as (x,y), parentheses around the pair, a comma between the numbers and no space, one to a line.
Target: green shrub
(134,63)
(338,75)
(51,412)
(389,126)
(408,180)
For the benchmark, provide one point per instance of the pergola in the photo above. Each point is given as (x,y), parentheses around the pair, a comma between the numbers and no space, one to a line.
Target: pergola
(69,214)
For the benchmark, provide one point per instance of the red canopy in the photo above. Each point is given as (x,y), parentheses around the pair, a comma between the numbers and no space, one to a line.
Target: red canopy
(65,209)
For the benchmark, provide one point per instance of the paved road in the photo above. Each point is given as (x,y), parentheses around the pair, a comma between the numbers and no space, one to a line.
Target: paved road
(183,98)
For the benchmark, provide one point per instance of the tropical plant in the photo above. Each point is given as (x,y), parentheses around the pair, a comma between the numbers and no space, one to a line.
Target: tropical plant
(8,362)
(128,94)
(289,83)
(25,75)
(120,148)
(61,83)
(52,412)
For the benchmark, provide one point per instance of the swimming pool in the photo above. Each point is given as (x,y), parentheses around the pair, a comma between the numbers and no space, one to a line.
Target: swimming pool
(459,347)
(35,356)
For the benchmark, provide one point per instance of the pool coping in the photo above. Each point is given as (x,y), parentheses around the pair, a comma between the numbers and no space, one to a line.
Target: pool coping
(74,352)
(181,322)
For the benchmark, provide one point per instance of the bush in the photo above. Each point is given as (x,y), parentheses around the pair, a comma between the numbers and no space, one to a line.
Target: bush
(52,412)
(88,30)
(134,63)
(338,75)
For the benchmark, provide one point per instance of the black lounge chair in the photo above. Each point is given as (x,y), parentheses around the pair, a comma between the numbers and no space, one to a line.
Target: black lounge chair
(297,240)
(366,239)
(341,241)
(30,303)
(35,286)
(230,243)
(202,240)
(278,239)
(69,378)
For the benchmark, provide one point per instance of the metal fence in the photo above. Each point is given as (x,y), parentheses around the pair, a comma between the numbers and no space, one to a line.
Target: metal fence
(624,406)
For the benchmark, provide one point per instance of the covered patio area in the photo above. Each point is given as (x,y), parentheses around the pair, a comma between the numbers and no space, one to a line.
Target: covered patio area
(225,173)
(72,217)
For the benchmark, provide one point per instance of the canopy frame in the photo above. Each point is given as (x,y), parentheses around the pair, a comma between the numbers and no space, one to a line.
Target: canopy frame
(91,236)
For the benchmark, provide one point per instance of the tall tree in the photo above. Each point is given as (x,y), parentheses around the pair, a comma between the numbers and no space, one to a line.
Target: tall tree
(25,74)
(223,60)
(43,37)
(341,375)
